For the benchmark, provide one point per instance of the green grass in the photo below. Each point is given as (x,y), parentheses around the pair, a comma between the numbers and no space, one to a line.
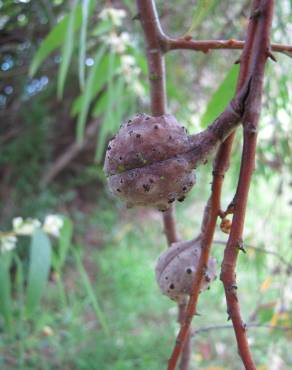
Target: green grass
(108,314)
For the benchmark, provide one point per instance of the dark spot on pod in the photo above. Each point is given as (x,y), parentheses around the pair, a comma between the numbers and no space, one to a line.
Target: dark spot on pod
(156,127)
(207,278)
(188,270)
(181,199)
(138,135)
(171,286)
(166,277)
(171,200)
(121,158)
(109,147)
(146,187)
(151,180)
(191,184)
(184,188)
(170,137)
(121,181)
(153,150)
(147,118)
(118,190)
(130,132)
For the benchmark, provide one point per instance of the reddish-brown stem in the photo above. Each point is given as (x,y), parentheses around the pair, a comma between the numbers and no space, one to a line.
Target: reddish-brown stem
(205,46)
(156,70)
(212,210)
(259,55)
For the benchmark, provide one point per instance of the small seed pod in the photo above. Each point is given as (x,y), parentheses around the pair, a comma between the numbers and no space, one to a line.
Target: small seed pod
(176,267)
(150,161)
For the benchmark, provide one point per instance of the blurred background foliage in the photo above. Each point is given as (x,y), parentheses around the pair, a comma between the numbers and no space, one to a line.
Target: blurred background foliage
(71,71)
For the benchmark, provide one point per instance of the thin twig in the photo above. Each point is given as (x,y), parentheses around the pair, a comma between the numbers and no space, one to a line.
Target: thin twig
(213,207)
(251,325)
(206,45)
(261,250)
(259,52)
(156,70)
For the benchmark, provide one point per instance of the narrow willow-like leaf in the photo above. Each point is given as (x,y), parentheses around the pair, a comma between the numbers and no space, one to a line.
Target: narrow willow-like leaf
(65,241)
(202,9)
(221,96)
(90,293)
(5,289)
(39,267)
(109,117)
(100,77)
(82,47)
(67,51)
(88,94)
(113,116)
(56,38)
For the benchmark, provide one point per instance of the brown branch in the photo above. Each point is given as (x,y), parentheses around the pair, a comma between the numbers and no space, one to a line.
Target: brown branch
(212,210)
(69,154)
(156,70)
(259,52)
(205,46)
(251,325)
(263,250)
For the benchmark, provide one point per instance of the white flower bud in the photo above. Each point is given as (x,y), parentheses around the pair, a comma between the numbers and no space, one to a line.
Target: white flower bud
(53,224)
(8,243)
(25,227)
(113,15)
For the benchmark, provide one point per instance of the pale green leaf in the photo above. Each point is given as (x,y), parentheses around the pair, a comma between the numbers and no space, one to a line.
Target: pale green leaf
(90,293)
(88,93)
(100,77)
(201,10)
(65,240)
(67,51)
(82,49)
(39,267)
(56,38)
(221,96)
(5,289)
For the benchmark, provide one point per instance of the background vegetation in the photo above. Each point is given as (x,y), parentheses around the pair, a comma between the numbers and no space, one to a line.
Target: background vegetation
(71,71)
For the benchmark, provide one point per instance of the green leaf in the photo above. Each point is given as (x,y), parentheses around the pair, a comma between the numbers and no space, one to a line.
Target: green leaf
(5,289)
(65,240)
(56,38)
(221,96)
(109,119)
(39,267)
(88,94)
(67,51)
(202,9)
(100,78)
(90,293)
(82,49)
(114,113)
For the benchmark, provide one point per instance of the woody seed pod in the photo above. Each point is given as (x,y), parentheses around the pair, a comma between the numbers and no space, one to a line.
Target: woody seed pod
(176,267)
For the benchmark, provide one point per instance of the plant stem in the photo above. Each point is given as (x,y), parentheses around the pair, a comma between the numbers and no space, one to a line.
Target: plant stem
(258,55)
(156,70)
(213,207)
(206,45)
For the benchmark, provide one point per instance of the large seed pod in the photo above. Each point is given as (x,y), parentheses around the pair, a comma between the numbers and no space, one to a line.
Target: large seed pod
(144,164)
(176,267)
(150,161)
